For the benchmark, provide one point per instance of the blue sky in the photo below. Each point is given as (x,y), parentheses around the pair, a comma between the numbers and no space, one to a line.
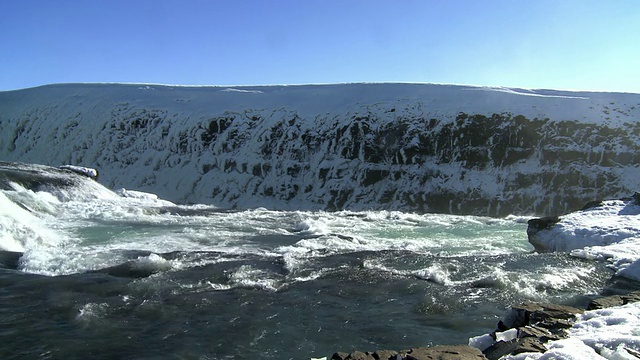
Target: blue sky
(572,44)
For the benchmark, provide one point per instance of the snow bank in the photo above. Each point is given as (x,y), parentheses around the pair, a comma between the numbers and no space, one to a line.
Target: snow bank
(609,231)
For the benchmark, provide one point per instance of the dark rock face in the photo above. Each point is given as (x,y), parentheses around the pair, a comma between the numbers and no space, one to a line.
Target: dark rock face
(396,152)
(537,225)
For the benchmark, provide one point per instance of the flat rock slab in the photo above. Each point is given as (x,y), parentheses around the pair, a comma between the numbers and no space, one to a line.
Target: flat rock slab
(530,313)
(514,347)
(442,352)
(445,352)
(614,300)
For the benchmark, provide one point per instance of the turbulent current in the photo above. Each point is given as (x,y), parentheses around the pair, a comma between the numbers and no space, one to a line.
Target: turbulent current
(87,272)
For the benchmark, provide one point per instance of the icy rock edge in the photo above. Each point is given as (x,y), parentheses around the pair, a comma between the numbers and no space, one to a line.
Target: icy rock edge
(606,230)
(527,331)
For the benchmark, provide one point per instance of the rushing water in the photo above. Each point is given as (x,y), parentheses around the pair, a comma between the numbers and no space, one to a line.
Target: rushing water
(89,273)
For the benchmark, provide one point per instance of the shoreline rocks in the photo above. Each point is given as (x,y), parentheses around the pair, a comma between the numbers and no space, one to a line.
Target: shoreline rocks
(525,328)
(441,352)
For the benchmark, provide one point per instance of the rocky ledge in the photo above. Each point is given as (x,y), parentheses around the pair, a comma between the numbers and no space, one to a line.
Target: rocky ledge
(525,328)
(607,230)
(443,352)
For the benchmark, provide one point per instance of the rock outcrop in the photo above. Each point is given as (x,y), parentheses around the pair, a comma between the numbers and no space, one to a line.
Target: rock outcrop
(535,226)
(598,223)
(529,326)
(614,300)
(443,352)
(525,328)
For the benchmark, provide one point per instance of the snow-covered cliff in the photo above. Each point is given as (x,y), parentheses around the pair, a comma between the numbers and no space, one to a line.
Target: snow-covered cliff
(412,147)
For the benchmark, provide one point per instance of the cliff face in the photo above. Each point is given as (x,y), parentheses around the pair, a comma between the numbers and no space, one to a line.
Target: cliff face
(362,146)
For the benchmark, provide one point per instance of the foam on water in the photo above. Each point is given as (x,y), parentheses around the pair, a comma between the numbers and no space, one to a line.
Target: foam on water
(130,234)
(248,277)
(91,312)
(127,221)
(24,218)
(16,225)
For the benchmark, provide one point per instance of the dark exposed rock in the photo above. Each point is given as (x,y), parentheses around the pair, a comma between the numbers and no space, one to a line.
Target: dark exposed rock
(556,324)
(605,302)
(356,355)
(445,352)
(539,323)
(540,332)
(340,356)
(532,313)
(515,346)
(536,324)
(614,300)
(385,354)
(539,224)
(529,345)
(592,204)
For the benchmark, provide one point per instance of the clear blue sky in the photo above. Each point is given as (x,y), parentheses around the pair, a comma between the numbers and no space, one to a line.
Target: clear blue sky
(560,44)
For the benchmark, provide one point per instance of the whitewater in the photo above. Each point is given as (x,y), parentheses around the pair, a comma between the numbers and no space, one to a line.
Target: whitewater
(289,222)
(91,272)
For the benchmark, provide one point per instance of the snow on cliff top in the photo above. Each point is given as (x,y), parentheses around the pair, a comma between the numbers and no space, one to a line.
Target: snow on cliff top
(431,100)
